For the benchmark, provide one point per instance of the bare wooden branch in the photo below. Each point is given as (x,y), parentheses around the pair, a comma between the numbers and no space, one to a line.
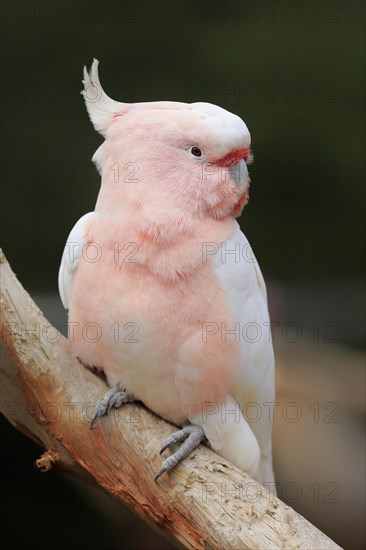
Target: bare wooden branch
(206,503)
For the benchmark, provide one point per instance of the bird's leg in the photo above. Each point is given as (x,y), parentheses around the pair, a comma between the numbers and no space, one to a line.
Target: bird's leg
(190,436)
(115,397)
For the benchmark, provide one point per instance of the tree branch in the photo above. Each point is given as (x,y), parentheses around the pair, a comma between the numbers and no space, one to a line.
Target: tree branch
(206,503)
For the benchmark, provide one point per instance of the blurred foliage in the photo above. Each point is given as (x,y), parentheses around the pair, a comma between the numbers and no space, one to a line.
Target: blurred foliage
(292,73)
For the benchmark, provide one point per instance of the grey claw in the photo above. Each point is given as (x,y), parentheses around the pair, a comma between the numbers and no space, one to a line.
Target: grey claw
(191,436)
(115,397)
(174,438)
(97,414)
(168,465)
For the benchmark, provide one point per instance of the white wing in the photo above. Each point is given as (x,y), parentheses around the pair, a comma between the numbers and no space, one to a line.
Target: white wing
(243,283)
(71,257)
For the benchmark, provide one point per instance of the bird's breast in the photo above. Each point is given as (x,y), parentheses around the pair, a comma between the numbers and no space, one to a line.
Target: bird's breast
(146,324)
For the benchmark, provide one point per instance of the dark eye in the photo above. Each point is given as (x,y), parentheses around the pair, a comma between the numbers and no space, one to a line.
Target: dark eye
(196,151)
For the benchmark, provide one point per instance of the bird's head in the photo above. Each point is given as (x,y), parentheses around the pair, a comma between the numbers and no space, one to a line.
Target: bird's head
(186,158)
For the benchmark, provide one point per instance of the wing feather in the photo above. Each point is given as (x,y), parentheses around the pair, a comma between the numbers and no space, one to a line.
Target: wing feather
(71,257)
(242,281)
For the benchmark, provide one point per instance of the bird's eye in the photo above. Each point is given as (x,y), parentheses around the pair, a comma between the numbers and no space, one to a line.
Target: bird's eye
(196,151)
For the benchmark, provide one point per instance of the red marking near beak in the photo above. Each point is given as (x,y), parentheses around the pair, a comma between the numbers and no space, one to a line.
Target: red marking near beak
(234,157)
(239,206)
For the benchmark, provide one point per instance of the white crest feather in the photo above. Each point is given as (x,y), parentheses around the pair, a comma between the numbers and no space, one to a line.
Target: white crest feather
(101,108)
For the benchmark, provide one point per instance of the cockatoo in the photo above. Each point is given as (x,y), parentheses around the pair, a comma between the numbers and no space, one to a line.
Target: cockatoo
(163,291)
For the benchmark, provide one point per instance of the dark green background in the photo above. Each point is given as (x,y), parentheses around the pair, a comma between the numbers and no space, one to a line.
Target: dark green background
(294,75)
(294,71)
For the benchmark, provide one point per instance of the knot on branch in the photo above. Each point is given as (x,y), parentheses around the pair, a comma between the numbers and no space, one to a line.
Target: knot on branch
(48,460)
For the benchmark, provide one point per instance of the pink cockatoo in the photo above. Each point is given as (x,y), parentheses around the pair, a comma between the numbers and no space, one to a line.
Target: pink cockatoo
(163,292)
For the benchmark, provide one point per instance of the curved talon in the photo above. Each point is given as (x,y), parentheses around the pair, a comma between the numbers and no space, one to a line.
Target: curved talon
(167,466)
(115,397)
(94,419)
(191,436)
(174,438)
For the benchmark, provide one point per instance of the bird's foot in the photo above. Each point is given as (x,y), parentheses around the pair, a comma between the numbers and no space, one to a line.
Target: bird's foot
(115,397)
(190,436)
